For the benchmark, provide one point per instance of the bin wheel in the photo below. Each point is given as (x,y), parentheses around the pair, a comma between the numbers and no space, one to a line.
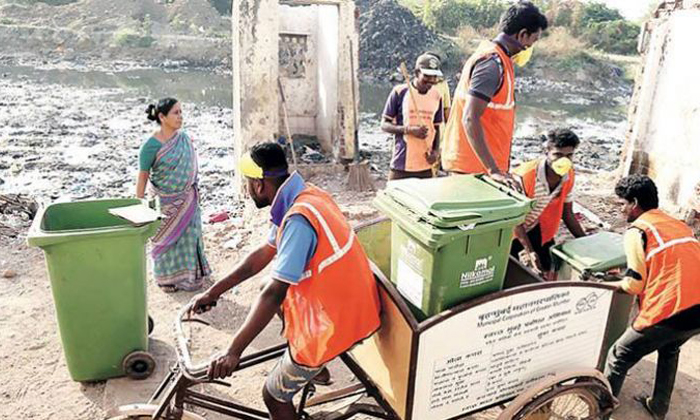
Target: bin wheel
(139,365)
(151,325)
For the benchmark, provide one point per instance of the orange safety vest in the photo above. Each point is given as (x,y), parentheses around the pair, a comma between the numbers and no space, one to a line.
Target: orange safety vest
(672,264)
(336,304)
(428,105)
(498,120)
(550,219)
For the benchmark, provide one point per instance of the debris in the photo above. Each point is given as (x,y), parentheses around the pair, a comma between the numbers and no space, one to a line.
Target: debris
(390,34)
(233,243)
(9,274)
(219,217)
(18,203)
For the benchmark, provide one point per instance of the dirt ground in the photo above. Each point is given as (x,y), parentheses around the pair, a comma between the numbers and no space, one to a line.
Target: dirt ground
(36,384)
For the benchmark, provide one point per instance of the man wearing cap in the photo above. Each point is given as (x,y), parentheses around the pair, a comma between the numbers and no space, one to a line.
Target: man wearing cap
(321,280)
(413,114)
(479,134)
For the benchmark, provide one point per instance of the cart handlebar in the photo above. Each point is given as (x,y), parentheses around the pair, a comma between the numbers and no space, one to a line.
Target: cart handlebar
(196,372)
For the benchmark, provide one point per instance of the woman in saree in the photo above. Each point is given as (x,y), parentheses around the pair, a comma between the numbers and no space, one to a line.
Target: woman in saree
(168,160)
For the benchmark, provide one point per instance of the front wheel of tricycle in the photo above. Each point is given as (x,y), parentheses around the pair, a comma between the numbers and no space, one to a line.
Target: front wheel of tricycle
(143,412)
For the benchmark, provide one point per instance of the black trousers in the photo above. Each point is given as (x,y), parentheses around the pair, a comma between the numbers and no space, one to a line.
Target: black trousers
(542,250)
(633,345)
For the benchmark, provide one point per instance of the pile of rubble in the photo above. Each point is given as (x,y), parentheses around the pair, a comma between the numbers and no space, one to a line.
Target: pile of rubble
(390,34)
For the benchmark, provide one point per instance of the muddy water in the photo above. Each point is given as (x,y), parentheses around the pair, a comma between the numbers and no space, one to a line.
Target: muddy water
(70,133)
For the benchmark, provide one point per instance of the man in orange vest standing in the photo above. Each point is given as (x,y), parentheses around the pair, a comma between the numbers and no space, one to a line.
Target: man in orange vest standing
(413,114)
(479,132)
(549,181)
(663,260)
(321,281)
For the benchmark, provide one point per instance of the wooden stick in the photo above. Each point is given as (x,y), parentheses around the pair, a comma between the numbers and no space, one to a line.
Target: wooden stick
(406,76)
(286,123)
(356,138)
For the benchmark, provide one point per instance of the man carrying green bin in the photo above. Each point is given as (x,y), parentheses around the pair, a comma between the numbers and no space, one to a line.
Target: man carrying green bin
(663,260)
(549,181)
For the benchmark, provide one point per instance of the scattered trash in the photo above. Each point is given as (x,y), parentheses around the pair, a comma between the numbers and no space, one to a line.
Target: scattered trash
(219,217)
(390,34)
(233,243)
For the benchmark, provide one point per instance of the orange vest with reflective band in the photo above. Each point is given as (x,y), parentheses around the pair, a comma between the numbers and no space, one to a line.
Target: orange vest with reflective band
(428,105)
(498,120)
(673,268)
(336,304)
(550,219)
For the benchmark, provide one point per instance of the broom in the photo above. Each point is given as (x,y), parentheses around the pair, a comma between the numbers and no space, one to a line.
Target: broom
(359,177)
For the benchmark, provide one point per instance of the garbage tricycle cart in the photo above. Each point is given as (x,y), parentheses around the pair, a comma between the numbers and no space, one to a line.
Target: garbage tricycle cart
(531,351)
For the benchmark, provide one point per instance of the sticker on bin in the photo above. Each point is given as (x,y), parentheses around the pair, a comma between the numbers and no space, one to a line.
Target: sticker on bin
(410,284)
(481,274)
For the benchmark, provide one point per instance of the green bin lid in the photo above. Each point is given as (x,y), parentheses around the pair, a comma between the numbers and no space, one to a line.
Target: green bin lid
(597,253)
(457,200)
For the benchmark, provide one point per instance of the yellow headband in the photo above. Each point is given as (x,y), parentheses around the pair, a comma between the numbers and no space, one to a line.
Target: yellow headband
(249,168)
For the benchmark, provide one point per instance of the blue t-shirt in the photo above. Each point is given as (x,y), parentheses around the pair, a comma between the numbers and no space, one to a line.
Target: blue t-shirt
(296,247)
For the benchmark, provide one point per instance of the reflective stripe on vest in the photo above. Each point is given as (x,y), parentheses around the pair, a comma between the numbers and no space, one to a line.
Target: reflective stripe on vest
(672,265)
(550,218)
(339,252)
(663,245)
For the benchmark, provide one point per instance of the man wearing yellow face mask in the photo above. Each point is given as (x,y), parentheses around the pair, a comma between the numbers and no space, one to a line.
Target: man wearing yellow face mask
(479,131)
(549,181)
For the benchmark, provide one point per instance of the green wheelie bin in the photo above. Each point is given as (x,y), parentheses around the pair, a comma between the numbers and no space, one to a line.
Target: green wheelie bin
(451,237)
(97,267)
(585,257)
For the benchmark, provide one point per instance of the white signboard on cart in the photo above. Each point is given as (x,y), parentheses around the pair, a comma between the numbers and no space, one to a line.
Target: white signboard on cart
(496,350)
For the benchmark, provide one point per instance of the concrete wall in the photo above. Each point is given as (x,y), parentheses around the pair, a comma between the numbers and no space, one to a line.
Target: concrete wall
(320,103)
(327,58)
(664,139)
(299,23)
(348,88)
(255,71)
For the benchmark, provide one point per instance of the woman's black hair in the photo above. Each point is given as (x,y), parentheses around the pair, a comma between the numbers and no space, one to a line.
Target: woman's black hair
(162,107)
(561,137)
(522,15)
(641,188)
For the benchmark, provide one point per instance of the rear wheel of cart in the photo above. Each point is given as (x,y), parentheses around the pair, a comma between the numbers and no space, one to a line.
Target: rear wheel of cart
(583,399)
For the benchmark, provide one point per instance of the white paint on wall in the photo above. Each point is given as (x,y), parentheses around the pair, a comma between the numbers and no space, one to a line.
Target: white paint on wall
(328,49)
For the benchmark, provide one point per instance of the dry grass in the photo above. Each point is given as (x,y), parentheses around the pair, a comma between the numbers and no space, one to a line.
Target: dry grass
(469,38)
(560,43)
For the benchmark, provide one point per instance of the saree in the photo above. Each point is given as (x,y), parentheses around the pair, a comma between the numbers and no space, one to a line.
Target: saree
(177,247)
